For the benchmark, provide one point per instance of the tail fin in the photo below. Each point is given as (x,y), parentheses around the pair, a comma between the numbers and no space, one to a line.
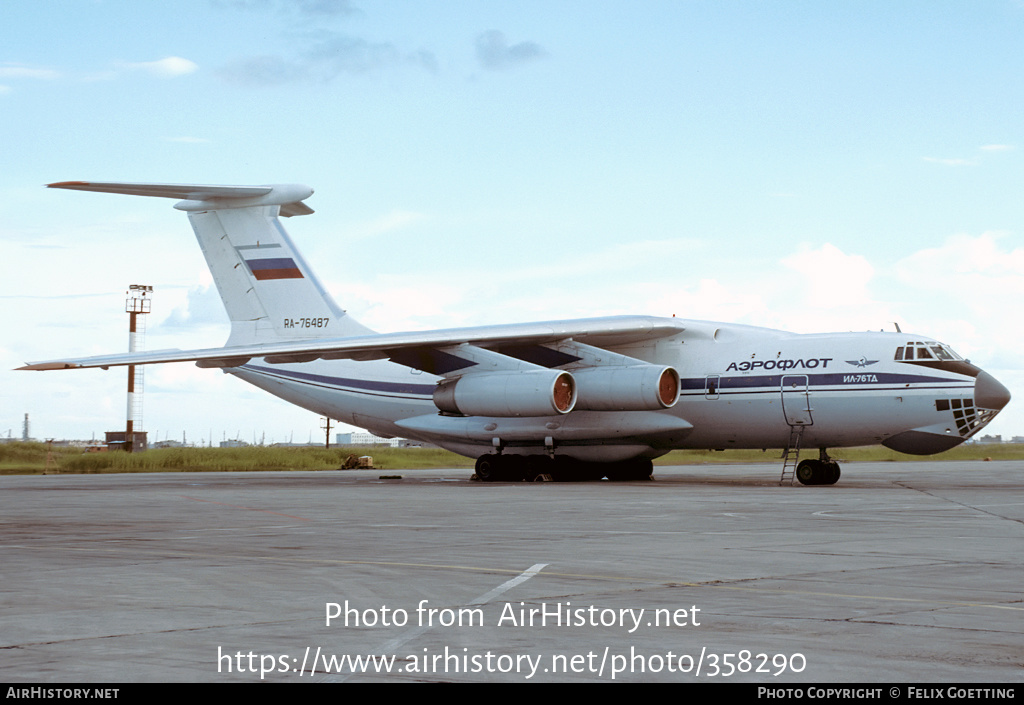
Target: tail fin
(269,291)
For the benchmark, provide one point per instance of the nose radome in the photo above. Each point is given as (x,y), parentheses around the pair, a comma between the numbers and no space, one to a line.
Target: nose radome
(989,393)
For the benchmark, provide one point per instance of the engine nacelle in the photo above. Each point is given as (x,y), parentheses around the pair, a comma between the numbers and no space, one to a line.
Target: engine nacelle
(635,388)
(504,394)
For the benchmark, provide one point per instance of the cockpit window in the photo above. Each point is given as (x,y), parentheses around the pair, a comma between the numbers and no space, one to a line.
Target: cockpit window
(951,352)
(918,350)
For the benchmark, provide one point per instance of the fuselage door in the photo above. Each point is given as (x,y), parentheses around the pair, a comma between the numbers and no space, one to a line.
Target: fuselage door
(712,383)
(796,400)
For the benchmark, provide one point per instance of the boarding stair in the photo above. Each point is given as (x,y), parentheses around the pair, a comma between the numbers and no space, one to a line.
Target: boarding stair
(791,458)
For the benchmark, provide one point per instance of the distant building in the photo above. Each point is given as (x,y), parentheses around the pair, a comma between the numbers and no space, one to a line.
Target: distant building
(990,439)
(365,439)
(116,441)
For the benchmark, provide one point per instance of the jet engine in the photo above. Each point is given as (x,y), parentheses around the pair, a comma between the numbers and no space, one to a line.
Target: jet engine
(635,388)
(505,394)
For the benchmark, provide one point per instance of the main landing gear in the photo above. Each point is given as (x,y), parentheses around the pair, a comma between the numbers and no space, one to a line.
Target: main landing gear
(824,471)
(531,468)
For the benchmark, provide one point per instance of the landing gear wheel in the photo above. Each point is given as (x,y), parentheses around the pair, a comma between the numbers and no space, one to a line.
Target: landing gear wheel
(817,472)
(487,468)
(831,473)
(808,472)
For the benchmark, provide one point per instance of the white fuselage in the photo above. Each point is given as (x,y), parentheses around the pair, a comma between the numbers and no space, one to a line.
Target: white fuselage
(741,387)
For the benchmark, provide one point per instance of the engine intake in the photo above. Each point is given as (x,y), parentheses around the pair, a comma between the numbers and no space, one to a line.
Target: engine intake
(505,394)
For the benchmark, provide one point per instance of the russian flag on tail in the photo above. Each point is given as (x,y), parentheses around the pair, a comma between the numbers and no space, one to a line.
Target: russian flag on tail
(277,268)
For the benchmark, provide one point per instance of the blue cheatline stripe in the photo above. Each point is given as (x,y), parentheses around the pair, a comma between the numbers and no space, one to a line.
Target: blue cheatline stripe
(837,379)
(423,390)
(763,384)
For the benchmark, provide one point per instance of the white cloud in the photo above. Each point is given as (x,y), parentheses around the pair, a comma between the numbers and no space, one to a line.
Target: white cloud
(830,278)
(202,306)
(959,161)
(169,67)
(390,303)
(19,71)
(970,270)
(950,162)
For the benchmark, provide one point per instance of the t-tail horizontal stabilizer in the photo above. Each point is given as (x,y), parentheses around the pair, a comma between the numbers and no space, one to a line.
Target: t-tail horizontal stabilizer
(199,197)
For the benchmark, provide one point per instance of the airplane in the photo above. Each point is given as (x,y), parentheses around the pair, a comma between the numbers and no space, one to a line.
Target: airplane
(570,399)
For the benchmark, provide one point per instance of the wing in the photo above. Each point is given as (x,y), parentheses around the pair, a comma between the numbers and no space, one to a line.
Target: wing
(413,349)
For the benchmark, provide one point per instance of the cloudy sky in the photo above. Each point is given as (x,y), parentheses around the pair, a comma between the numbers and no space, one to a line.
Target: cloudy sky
(799,165)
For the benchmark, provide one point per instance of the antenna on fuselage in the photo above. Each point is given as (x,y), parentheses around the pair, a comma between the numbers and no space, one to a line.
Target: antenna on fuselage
(897,327)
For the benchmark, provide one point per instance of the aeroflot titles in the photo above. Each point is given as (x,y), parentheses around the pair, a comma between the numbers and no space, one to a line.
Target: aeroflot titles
(808,364)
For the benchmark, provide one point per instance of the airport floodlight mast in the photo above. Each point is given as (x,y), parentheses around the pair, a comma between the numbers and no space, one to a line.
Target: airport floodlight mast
(325,423)
(137,302)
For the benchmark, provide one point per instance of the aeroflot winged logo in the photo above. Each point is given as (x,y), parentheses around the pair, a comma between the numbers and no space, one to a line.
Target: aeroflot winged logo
(863,362)
(276,268)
